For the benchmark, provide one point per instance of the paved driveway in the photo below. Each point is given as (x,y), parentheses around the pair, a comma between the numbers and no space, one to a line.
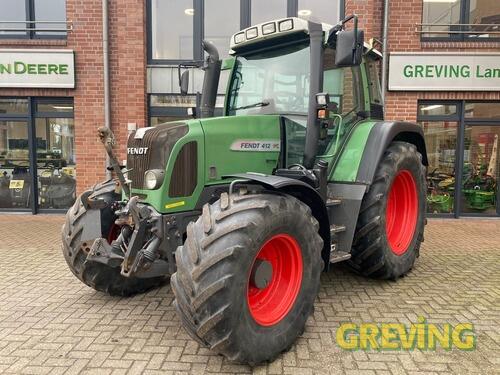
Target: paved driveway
(51,323)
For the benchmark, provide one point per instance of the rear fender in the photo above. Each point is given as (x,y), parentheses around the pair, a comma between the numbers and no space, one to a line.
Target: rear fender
(381,136)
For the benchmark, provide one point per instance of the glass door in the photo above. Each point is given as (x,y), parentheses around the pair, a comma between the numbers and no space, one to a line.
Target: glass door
(480,170)
(15,173)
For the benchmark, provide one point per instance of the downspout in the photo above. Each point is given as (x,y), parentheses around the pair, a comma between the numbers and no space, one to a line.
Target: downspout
(384,50)
(105,55)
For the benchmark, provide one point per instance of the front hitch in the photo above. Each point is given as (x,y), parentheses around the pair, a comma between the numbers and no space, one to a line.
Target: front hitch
(107,138)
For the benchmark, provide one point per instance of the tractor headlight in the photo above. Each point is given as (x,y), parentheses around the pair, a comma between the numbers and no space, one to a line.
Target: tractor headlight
(239,38)
(153,178)
(268,28)
(286,25)
(252,33)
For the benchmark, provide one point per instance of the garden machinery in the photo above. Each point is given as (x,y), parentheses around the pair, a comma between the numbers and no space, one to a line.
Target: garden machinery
(244,211)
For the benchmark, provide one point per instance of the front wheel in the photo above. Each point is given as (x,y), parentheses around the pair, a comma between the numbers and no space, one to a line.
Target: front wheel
(97,275)
(248,274)
(390,226)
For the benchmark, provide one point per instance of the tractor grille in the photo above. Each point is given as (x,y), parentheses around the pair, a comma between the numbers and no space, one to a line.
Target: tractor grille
(152,150)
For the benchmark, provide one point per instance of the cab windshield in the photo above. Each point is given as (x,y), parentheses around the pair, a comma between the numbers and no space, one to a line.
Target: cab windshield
(275,81)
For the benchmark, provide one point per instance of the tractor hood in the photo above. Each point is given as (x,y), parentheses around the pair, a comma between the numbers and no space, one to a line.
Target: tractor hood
(197,153)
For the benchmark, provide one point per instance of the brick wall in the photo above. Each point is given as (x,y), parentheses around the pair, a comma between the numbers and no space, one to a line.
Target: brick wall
(128,81)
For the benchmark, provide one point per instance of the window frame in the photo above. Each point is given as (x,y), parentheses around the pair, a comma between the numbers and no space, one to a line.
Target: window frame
(464,19)
(30,22)
(199,28)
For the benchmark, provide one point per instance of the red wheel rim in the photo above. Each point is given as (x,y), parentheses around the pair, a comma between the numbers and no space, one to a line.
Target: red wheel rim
(401,212)
(269,305)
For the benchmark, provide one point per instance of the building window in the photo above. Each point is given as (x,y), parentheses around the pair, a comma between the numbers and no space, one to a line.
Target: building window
(37,155)
(33,19)
(460,19)
(462,140)
(265,10)
(172,29)
(176,28)
(218,26)
(319,10)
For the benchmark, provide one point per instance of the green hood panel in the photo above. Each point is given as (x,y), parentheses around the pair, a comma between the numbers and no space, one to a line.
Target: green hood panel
(239,144)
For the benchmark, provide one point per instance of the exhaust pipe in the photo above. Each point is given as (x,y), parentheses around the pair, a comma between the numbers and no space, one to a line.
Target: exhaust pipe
(211,80)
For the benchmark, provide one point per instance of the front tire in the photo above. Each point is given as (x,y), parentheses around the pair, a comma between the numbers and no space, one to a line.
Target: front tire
(97,275)
(216,288)
(390,226)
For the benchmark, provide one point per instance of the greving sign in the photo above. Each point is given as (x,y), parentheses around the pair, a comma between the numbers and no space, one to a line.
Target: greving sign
(51,68)
(444,71)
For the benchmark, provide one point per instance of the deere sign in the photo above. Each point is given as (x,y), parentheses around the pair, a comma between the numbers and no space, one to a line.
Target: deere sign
(442,71)
(37,68)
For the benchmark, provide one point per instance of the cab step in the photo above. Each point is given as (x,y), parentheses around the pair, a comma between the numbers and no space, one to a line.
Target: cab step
(337,229)
(339,256)
(333,202)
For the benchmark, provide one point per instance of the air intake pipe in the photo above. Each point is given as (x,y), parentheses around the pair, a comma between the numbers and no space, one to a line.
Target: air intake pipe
(212,69)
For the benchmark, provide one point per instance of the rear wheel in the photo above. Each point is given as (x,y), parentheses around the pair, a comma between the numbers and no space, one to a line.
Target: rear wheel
(391,222)
(248,274)
(97,275)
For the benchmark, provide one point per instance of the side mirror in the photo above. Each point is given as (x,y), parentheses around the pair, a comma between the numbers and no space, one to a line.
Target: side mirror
(349,48)
(348,44)
(184,82)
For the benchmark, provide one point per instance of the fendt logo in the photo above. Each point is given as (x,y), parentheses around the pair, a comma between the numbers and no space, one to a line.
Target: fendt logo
(137,150)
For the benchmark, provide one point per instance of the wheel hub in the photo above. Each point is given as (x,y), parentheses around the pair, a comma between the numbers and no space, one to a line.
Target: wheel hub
(262,273)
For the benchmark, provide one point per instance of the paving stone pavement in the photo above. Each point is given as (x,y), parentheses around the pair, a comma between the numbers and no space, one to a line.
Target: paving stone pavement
(50,323)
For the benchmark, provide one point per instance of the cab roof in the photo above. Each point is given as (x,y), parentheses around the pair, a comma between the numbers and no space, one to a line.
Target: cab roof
(278,29)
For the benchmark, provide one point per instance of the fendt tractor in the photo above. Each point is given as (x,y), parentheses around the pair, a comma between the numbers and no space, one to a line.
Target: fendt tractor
(243,212)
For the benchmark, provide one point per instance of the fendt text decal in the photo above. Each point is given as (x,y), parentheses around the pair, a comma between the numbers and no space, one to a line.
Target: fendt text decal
(253,145)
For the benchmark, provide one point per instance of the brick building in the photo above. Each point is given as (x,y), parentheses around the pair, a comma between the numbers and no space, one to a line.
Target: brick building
(443,71)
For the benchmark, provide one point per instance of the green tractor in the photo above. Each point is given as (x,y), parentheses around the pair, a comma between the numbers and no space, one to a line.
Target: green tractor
(243,212)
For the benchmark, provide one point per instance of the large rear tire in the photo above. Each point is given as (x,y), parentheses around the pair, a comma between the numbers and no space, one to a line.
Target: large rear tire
(390,226)
(216,284)
(97,275)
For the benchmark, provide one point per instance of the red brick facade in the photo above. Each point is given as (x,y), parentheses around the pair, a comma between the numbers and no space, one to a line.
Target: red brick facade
(127,46)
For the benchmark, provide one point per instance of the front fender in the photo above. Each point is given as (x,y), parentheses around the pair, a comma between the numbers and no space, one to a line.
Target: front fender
(302,192)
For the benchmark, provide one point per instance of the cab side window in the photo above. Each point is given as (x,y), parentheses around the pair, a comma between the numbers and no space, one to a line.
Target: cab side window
(342,84)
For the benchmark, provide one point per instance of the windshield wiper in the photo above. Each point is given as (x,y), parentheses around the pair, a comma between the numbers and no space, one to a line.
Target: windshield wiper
(259,104)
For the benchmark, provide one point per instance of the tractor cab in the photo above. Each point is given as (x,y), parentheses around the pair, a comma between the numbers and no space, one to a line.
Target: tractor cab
(312,75)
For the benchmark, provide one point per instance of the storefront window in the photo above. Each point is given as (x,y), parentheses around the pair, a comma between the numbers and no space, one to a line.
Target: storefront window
(483,110)
(460,19)
(265,10)
(51,148)
(55,159)
(13,106)
(220,25)
(172,29)
(15,173)
(319,11)
(437,109)
(36,18)
(441,142)
(481,169)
